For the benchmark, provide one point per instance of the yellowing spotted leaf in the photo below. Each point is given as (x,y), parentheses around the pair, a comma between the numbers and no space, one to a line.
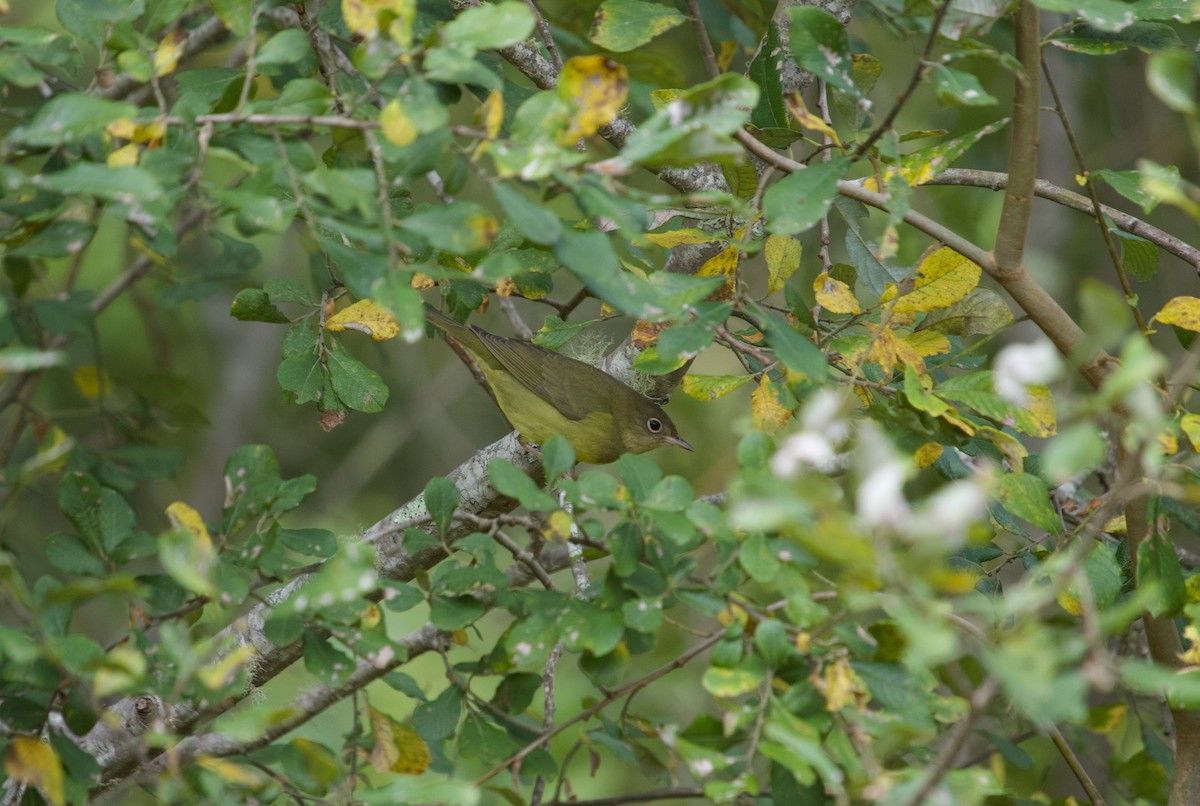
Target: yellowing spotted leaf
(888,350)
(1192,656)
(1181,312)
(168,53)
(725,53)
(385,753)
(928,342)
(92,382)
(1039,417)
(1168,443)
(597,87)
(506,288)
(366,317)
(676,237)
(183,516)
(927,454)
(232,772)
(558,527)
(766,410)
(362,16)
(1070,602)
(835,296)
(842,685)
(413,753)
(397,127)
(782,253)
(710,387)
(32,762)
(724,263)
(1190,424)
(421,281)
(943,278)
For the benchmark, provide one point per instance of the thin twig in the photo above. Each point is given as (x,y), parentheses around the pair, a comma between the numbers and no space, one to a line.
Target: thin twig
(706,49)
(1081,775)
(913,82)
(609,699)
(954,742)
(638,797)
(547,37)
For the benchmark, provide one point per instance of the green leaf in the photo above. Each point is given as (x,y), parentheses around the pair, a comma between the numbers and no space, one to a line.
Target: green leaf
(1076,449)
(1104,575)
(588,627)
(558,457)
(772,641)
(1158,568)
(513,483)
(254,305)
(70,554)
(113,184)
(819,45)
(460,228)
(533,221)
(441,500)
(672,494)
(958,87)
(455,612)
(324,662)
(359,387)
(624,25)
(68,118)
(801,199)
(798,354)
(189,560)
(436,720)
(710,387)
(252,481)
(757,558)
(1139,258)
(1028,497)
(981,312)
(736,681)
(1145,36)
(289,46)
(1171,75)
(766,70)
(312,542)
(489,27)
(639,474)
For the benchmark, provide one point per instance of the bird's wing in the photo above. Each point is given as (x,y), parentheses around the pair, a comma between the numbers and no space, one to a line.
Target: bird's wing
(559,380)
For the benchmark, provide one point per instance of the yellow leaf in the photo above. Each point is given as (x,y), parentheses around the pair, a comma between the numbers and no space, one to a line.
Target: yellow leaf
(123,157)
(220,674)
(34,763)
(363,16)
(232,772)
(660,98)
(396,126)
(803,642)
(808,120)
(766,410)
(943,278)
(1009,446)
(842,685)
(672,238)
(1070,602)
(710,387)
(723,263)
(597,87)
(927,454)
(1042,418)
(370,616)
(413,751)
(366,317)
(1116,526)
(726,50)
(887,350)
(421,281)
(168,54)
(733,613)
(835,296)
(783,258)
(1104,719)
(492,114)
(558,527)
(1168,442)
(385,753)
(1190,424)
(92,382)
(928,342)
(1181,312)
(506,288)
(185,517)
(1192,656)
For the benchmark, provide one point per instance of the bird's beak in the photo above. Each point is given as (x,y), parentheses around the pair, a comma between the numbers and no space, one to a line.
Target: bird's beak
(681,442)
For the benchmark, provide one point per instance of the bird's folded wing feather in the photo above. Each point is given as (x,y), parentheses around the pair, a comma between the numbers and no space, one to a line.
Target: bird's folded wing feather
(555,378)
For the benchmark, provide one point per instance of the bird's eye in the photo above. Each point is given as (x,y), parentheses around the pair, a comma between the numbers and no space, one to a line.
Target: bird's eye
(654,424)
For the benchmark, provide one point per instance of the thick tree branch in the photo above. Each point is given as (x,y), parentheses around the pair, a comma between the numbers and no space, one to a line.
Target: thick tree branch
(1023,150)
